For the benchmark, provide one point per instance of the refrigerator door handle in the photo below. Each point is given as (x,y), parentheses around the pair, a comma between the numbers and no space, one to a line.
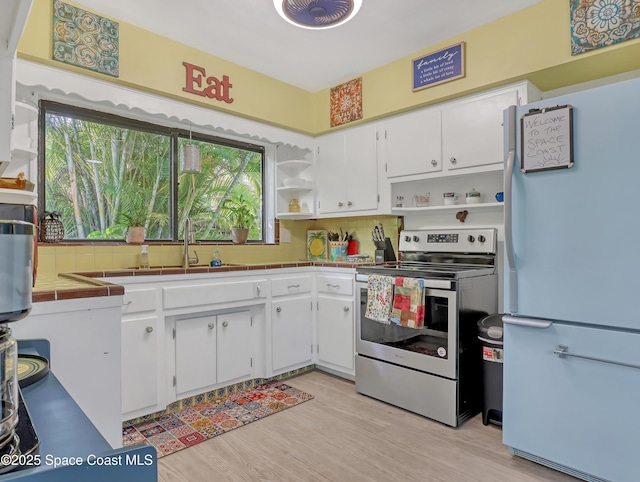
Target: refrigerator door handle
(530,322)
(563,352)
(510,123)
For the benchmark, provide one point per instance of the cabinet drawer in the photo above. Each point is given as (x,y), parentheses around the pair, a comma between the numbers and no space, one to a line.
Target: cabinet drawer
(136,301)
(338,285)
(291,285)
(206,294)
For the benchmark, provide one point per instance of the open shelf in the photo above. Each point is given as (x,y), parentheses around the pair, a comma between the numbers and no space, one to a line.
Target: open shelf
(294,215)
(17,196)
(455,207)
(293,167)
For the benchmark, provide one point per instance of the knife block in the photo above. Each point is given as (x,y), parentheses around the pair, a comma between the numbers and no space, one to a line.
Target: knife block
(384,250)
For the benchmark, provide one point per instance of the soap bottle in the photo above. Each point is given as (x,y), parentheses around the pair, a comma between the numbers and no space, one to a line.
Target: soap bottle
(144,257)
(216,261)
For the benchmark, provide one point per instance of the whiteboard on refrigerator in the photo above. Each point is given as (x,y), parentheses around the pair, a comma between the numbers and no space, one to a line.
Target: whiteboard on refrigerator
(547,139)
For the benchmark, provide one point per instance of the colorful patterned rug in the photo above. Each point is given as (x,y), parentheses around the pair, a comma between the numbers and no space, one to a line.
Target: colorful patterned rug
(190,426)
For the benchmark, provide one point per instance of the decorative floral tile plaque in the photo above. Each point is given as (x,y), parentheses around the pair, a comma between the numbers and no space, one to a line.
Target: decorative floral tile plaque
(600,23)
(85,39)
(346,102)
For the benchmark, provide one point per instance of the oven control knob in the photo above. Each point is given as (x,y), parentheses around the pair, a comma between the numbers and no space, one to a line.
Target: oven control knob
(471,239)
(407,238)
(416,239)
(481,238)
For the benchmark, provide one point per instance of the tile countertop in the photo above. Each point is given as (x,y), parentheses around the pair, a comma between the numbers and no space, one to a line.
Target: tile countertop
(66,286)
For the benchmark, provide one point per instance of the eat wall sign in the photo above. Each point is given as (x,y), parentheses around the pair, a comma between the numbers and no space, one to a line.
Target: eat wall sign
(199,83)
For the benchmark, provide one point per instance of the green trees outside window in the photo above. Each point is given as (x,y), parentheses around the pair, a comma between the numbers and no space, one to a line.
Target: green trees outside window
(104,173)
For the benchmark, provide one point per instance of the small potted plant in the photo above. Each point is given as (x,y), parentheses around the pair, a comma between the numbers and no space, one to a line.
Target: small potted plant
(134,216)
(241,215)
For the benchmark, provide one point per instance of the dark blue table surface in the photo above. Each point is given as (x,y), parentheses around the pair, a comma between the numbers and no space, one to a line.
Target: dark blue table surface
(66,434)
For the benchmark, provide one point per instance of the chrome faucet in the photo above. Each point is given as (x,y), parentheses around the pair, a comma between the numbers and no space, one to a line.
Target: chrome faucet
(189,237)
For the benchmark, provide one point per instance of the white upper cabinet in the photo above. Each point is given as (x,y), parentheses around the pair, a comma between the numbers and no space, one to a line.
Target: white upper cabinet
(459,137)
(472,134)
(412,143)
(348,171)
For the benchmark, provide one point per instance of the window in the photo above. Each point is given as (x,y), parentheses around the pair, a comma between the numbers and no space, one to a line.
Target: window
(103,173)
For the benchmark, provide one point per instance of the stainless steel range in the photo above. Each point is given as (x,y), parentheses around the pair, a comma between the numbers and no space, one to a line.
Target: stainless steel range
(434,370)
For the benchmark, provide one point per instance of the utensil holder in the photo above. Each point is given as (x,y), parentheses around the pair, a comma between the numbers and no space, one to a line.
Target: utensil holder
(387,248)
(338,250)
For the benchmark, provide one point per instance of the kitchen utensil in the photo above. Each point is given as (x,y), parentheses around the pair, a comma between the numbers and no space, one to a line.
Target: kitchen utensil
(381,231)
(450,198)
(473,197)
(421,200)
(16,269)
(294,206)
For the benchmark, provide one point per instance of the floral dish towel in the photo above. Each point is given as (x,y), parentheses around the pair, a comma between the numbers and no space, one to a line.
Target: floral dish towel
(379,289)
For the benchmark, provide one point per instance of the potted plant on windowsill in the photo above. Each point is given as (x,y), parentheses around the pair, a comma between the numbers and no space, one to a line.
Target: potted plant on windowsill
(241,214)
(134,217)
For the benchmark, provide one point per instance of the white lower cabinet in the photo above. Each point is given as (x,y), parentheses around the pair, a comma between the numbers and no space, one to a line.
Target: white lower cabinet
(210,350)
(139,364)
(336,323)
(291,333)
(234,347)
(336,340)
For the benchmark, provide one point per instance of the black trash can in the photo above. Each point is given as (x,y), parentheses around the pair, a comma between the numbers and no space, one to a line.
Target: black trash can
(490,335)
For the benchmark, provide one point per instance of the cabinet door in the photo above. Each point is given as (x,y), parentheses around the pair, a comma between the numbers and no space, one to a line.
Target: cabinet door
(195,354)
(573,412)
(361,168)
(330,171)
(472,132)
(291,333)
(234,346)
(139,369)
(413,143)
(336,347)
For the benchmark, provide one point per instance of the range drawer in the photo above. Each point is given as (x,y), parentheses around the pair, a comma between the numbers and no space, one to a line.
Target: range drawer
(337,285)
(138,300)
(291,285)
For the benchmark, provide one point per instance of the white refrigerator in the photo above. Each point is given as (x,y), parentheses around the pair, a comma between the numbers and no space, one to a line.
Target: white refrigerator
(572,288)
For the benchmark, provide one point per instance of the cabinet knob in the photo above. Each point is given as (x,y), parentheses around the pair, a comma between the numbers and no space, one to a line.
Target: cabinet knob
(149,329)
(340,204)
(211,326)
(278,309)
(349,203)
(346,308)
(225,323)
(434,163)
(453,160)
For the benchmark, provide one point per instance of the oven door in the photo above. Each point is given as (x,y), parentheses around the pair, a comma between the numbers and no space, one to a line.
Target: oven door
(432,349)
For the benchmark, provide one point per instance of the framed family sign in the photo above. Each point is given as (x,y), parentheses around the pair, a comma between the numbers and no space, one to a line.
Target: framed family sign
(438,67)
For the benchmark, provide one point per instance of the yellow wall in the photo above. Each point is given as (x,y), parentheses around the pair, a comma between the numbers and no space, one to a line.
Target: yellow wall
(153,63)
(90,257)
(533,44)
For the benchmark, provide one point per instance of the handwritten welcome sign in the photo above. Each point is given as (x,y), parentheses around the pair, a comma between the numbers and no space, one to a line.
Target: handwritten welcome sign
(438,67)
(547,139)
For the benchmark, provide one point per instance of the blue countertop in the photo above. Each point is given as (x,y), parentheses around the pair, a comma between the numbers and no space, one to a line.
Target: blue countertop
(71,448)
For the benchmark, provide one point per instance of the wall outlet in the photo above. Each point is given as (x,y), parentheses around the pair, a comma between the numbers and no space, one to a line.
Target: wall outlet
(285,235)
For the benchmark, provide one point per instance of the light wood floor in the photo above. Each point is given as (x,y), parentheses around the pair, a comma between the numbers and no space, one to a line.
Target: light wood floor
(341,435)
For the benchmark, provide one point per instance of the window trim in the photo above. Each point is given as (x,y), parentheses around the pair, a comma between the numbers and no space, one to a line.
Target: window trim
(174,134)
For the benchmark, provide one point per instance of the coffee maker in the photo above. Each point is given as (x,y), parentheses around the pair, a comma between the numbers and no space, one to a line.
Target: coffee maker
(18,263)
